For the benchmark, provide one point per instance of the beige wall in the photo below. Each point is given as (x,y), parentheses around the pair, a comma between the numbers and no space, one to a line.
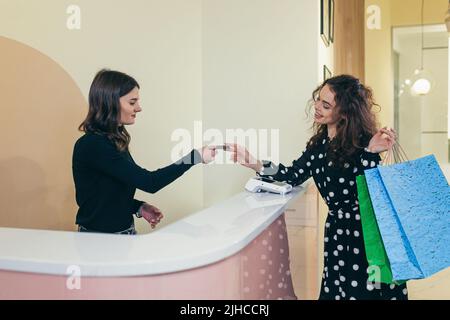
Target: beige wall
(158,42)
(260,65)
(38,121)
(408,12)
(378,63)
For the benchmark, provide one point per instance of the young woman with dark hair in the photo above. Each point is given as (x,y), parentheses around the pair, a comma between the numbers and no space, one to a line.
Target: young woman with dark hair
(105,175)
(345,143)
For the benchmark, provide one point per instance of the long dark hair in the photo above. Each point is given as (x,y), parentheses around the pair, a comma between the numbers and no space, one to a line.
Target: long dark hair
(357,124)
(104,106)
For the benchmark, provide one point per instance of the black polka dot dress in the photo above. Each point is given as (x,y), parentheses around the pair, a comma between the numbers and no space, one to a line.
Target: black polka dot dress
(345,264)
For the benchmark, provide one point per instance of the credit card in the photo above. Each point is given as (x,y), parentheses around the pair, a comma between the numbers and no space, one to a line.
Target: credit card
(222,147)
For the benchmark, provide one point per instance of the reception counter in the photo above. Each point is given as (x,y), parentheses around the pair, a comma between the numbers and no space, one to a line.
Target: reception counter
(236,249)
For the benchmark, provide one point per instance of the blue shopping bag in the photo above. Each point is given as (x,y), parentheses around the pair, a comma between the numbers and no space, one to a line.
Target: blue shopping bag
(411,201)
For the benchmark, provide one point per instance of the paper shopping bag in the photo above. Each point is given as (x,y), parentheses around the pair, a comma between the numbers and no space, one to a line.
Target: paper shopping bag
(411,202)
(379,266)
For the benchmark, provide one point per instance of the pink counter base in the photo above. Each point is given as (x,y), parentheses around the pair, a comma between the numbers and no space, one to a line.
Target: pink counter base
(260,271)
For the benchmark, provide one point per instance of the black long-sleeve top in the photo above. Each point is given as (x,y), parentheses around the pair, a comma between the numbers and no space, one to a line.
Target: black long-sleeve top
(106,181)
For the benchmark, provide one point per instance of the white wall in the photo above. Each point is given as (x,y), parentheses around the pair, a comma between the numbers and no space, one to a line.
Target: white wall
(260,65)
(156,41)
(229,63)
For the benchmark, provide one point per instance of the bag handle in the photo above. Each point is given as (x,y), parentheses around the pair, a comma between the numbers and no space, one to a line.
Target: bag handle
(395,154)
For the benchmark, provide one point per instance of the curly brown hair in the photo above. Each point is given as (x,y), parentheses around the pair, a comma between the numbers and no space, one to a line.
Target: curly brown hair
(357,124)
(103,117)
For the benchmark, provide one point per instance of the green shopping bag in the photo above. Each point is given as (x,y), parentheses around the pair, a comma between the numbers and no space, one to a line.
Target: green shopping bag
(373,243)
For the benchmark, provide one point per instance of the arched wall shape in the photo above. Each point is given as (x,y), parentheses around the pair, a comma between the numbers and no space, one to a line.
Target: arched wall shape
(40,110)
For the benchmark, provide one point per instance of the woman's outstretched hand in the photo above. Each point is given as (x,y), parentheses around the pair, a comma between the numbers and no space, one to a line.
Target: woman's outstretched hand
(383,140)
(240,154)
(151,213)
(208,153)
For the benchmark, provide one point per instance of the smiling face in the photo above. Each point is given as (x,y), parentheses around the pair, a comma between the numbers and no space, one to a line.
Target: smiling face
(325,107)
(129,107)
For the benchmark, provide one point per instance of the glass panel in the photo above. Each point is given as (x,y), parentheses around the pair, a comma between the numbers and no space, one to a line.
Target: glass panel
(422,120)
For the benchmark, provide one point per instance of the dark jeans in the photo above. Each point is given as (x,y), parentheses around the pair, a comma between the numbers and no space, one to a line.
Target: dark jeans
(130,230)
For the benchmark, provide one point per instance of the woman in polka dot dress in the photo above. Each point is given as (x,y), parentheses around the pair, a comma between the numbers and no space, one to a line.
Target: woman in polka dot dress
(344,144)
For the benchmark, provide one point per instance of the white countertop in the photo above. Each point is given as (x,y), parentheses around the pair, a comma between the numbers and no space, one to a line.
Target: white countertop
(202,238)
